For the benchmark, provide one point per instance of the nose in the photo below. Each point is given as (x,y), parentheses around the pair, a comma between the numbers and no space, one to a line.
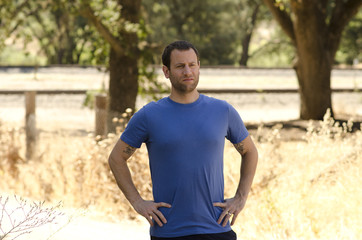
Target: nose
(187,70)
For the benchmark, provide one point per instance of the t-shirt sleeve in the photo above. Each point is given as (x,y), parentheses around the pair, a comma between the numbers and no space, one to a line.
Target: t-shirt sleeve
(237,131)
(136,131)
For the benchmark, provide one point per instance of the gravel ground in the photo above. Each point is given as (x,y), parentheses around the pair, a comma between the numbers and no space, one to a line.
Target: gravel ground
(65,112)
(91,78)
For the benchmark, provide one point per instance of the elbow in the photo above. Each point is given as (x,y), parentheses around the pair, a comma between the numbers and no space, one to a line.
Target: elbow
(115,160)
(255,154)
(251,154)
(111,161)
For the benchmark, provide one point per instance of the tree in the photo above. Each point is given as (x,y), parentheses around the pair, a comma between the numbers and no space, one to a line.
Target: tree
(119,27)
(222,30)
(247,12)
(111,38)
(315,27)
(200,22)
(351,44)
(8,11)
(61,35)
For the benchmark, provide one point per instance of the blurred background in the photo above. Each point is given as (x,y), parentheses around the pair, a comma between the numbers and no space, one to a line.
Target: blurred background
(72,73)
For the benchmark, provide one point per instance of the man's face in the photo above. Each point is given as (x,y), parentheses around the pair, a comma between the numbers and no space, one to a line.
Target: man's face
(184,70)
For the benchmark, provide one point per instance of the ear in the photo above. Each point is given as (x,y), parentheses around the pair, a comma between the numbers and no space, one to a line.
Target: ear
(166,71)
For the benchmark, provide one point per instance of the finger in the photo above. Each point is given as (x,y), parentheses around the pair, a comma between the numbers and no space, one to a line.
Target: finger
(222,216)
(156,219)
(234,219)
(219,204)
(226,219)
(160,216)
(162,204)
(149,219)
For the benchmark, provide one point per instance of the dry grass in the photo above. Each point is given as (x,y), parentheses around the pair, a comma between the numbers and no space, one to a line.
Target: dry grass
(307,189)
(23,217)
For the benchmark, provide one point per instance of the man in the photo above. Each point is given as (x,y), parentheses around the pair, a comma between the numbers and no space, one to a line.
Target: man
(185,135)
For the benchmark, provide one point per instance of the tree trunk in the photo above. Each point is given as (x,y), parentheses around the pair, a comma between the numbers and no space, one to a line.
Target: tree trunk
(315,28)
(314,64)
(246,41)
(123,85)
(314,89)
(245,53)
(123,66)
(123,58)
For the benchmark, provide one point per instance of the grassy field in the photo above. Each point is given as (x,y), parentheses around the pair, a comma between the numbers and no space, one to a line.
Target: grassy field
(307,188)
(307,184)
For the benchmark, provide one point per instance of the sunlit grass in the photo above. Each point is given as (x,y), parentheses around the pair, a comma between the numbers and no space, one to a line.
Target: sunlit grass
(305,189)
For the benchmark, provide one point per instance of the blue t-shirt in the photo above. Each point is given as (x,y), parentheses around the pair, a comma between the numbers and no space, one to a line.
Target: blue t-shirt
(185,144)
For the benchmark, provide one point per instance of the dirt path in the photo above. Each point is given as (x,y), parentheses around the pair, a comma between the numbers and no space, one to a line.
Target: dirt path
(72,224)
(90,229)
(65,111)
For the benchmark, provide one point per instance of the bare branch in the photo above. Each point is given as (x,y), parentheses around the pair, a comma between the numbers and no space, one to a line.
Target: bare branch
(282,17)
(20,8)
(34,215)
(23,6)
(342,13)
(88,13)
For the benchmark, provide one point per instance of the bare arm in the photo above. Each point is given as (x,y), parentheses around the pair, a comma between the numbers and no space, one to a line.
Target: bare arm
(249,155)
(118,164)
(233,206)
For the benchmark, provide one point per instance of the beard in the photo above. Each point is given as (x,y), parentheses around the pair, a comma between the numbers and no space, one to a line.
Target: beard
(183,87)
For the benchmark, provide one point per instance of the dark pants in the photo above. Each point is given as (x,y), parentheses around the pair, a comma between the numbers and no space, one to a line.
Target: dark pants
(216,236)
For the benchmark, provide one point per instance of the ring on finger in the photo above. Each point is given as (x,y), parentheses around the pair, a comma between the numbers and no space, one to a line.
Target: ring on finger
(229,213)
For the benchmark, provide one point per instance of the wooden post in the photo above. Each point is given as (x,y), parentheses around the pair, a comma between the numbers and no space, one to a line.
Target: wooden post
(101,115)
(30,124)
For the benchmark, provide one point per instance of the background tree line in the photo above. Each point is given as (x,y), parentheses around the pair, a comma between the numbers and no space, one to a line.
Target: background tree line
(129,35)
(223,31)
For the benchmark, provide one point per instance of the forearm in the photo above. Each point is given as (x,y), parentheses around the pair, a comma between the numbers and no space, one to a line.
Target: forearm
(247,172)
(123,178)
(249,160)
(118,164)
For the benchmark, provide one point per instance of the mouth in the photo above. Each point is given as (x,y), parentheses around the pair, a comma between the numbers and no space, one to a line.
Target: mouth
(188,79)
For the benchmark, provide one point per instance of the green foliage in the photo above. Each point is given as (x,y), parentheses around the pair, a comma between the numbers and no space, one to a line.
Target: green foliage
(215,27)
(149,87)
(9,10)
(196,21)
(12,56)
(274,50)
(89,100)
(351,44)
(63,36)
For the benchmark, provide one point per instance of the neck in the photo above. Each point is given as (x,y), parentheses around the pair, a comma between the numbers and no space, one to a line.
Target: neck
(184,98)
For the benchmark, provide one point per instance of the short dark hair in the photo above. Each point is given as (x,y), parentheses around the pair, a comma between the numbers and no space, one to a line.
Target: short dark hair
(179,45)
